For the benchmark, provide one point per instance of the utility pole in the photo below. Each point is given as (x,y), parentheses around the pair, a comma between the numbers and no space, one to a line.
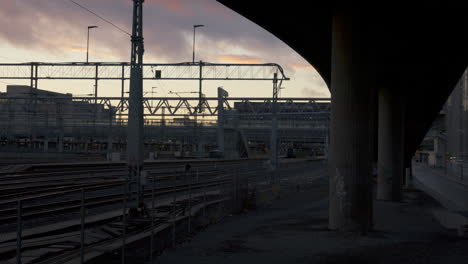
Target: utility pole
(135,145)
(274,128)
(195,27)
(220,128)
(201,70)
(87,44)
(200,94)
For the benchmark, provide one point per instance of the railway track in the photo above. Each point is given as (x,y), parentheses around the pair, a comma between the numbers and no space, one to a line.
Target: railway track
(38,183)
(29,212)
(62,194)
(8,201)
(53,248)
(106,195)
(68,251)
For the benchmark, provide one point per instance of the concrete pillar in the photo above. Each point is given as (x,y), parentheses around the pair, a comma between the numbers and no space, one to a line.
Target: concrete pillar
(409,178)
(391,166)
(351,134)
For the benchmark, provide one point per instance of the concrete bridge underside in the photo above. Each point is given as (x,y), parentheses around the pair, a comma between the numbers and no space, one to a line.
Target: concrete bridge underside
(390,69)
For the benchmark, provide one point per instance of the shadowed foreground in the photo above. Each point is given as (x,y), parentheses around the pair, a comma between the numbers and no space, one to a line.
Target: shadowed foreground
(294,230)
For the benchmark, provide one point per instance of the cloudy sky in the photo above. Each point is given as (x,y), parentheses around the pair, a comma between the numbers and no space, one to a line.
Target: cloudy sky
(55,31)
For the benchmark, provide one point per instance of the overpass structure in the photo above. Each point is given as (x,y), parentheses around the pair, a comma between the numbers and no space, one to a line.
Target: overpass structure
(389,69)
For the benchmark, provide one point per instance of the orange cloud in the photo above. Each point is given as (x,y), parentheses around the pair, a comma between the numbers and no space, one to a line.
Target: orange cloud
(95,52)
(238,59)
(302,67)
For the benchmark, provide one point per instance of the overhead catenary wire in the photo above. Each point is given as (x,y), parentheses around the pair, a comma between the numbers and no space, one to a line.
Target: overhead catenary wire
(162,86)
(6,82)
(100,17)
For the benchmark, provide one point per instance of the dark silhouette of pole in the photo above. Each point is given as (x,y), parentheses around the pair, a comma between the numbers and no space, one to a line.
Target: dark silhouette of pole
(200,77)
(135,109)
(82,226)
(87,45)
(194,27)
(19,231)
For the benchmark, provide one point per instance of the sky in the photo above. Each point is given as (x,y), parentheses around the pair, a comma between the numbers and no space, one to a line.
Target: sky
(56,31)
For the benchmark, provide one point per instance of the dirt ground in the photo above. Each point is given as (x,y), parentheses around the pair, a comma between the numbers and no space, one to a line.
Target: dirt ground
(294,230)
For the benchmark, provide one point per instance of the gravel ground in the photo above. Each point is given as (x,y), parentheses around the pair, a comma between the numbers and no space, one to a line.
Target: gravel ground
(294,230)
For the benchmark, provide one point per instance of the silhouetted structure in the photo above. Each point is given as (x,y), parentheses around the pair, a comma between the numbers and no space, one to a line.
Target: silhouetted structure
(390,69)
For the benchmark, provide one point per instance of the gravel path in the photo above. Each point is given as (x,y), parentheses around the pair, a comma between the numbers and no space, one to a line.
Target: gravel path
(294,230)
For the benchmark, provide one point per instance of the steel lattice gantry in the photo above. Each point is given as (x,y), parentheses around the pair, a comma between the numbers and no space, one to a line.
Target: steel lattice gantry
(120,71)
(35,71)
(136,71)
(151,71)
(179,106)
(73,116)
(79,119)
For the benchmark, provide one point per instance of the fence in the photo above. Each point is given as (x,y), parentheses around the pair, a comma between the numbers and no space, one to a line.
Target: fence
(93,221)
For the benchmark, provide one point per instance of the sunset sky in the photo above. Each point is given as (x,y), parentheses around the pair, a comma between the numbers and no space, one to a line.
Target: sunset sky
(55,31)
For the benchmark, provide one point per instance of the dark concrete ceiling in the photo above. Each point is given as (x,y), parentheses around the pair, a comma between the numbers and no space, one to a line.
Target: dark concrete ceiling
(422,50)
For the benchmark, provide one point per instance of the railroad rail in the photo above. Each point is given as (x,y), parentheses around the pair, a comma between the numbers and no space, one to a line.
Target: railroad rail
(175,191)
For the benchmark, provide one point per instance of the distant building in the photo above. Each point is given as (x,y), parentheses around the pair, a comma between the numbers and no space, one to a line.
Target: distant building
(456,124)
(302,126)
(432,149)
(183,121)
(446,142)
(32,113)
(291,114)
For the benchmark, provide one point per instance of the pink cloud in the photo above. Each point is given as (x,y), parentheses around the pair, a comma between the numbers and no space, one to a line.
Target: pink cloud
(91,51)
(176,6)
(239,59)
(302,67)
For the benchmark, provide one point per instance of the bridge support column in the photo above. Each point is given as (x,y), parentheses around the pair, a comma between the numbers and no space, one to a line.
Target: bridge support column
(391,166)
(352,121)
(408,177)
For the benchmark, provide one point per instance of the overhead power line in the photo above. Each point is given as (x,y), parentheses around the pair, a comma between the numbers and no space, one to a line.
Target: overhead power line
(100,17)
(8,83)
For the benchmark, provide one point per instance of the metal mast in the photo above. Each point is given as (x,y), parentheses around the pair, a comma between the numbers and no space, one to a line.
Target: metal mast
(135,115)
(274,128)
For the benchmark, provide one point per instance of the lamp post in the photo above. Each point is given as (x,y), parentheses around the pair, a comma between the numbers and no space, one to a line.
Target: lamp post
(194,27)
(87,45)
(193,61)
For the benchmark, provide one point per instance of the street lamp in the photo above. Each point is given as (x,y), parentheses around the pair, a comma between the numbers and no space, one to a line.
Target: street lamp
(194,27)
(87,46)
